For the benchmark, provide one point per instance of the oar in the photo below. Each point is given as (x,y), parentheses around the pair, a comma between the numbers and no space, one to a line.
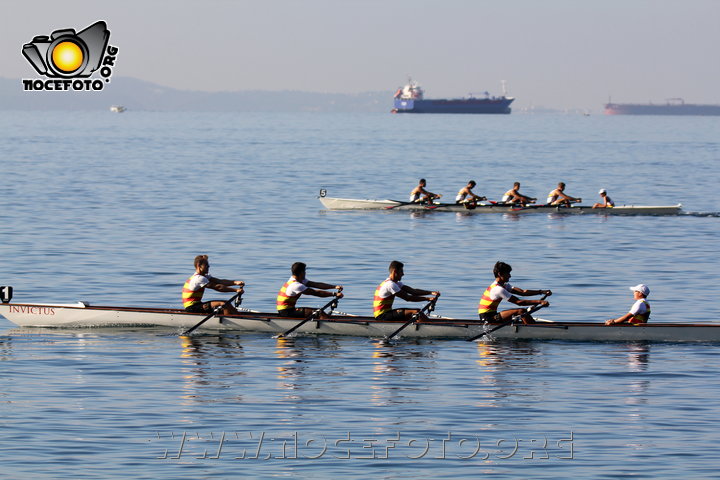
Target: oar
(429,308)
(215,312)
(332,304)
(400,204)
(529,310)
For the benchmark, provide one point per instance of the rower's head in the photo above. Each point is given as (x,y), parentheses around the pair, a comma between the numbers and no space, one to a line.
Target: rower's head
(202,265)
(298,270)
(422,182)
(561,186)
(396,270)
(640,290)
(516,185)
(502,270)
(472,184)
(602,192)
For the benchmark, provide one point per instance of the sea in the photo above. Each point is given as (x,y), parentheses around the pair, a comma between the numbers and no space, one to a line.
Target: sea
(111,209)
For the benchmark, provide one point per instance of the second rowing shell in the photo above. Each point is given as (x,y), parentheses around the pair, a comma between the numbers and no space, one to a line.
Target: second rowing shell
(334,203)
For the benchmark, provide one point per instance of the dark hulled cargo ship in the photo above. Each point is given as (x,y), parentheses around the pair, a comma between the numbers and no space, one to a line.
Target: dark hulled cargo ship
(673,106)
(410,99)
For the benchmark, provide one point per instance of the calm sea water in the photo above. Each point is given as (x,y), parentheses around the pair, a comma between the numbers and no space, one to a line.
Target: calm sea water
(111,209)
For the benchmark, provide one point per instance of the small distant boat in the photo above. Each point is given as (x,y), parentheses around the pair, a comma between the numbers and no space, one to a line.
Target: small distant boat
(411,99)
(117,108)
(673,106)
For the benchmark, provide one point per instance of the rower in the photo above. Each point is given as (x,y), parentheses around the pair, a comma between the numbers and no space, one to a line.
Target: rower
(640,310)
(392,287)
(607,201)
(420,195)
(195,286)
(558,196)
(298,285)
(501,290)
(466,196)
(514,196)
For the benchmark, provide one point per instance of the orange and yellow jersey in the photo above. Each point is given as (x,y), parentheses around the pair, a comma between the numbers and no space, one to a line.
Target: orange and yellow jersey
(384,296)
(289,293)
(638,315)
(193,289)
(488,304)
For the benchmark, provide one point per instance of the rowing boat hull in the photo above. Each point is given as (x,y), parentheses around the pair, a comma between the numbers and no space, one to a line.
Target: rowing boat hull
(81,316)
(333,203)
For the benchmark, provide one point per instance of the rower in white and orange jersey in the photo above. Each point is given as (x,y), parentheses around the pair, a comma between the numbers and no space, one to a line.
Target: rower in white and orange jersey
(640,310)
(298,285)
(501,290)
(195,286)
(559,197)
(392,287)
(514,196)
(419,194)
(466,195)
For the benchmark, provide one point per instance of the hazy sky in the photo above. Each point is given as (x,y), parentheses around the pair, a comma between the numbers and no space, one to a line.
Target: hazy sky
(554,53)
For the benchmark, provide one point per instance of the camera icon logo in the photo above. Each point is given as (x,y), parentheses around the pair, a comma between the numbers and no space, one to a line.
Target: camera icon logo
(67,54)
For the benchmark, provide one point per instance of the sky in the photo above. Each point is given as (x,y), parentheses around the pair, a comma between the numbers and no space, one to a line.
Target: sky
(552,53)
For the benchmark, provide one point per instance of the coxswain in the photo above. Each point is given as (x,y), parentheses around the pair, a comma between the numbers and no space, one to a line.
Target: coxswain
(195,286)
(606,200)
(298,285)
(466,196)
(420,195)
(392,287)
(515,197)
(640,310)
(558,197)
(501,290)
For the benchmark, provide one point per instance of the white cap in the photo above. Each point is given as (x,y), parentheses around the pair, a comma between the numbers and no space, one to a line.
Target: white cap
(602,190)
(641,288)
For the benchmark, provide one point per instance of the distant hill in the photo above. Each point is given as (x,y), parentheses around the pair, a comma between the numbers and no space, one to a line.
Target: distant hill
(141,95)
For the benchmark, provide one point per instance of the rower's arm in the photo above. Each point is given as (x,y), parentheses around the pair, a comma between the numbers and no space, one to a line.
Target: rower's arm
(622,319)
(413,295)
(418,291)
(324,286)
(529,293)
(228,283)
(322,293)
(219,287)
(527,303)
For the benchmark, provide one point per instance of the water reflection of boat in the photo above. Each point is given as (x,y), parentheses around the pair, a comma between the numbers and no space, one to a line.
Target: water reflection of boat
(117,108)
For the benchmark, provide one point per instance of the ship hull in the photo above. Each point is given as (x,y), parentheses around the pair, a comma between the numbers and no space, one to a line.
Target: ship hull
(668,109)
(469,106)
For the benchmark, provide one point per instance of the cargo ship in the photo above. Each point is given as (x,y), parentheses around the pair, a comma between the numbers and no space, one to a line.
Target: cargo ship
(411,99)
(673,106)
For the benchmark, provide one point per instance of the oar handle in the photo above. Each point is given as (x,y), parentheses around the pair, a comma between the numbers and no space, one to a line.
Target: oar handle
(535,308)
